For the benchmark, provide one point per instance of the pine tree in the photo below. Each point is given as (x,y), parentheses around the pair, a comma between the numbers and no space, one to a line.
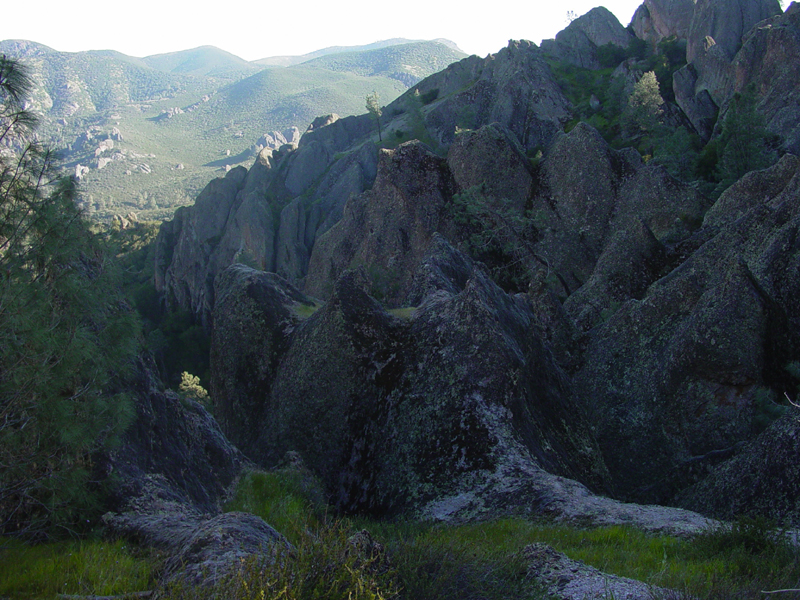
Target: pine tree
(66,335)
(744,143)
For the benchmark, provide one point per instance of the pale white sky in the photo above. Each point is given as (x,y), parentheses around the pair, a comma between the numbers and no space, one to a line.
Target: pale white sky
(255,30)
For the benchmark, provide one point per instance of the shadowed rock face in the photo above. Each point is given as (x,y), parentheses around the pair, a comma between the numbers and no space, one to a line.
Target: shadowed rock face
(513,87)
(726,21)
(656,20)
(670,380)
(769,61)
(578,43)
(393,413)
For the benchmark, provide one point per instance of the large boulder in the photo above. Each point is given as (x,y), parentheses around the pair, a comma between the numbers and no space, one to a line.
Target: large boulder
(671,380)
(726,21)
(769,63)
(387,228)
(514,87)
(578,43)
(698,106)
(254,317)
(586,192)
(656,20)
(761,480)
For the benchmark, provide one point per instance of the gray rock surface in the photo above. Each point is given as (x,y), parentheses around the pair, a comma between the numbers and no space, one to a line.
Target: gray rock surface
(567,579)
(699,107)
(513,87)
(656,20)
(769,62)
(254,317)
(578,43)
(726,21)
(680,367)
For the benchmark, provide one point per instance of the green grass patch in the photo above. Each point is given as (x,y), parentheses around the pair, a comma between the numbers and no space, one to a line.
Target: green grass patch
(306,310)
(403,313)
(289,500)
(87,567)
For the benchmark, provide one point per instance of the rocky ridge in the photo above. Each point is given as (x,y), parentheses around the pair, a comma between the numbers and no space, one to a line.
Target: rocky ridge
(630,360)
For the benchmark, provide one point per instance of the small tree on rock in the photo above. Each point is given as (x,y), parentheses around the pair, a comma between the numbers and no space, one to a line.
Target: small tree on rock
(374,108)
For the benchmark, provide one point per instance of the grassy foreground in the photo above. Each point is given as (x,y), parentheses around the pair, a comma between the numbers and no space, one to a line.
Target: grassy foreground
(418,561)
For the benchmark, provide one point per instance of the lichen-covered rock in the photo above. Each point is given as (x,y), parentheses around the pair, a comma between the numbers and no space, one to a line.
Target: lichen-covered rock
(698,106)
(254,317)
(492,160)
(761,480)
(568,579)
(631,261)
(218,547)
(514,87)
(769,62)
(757,187)
(726,21)
(656,20)
(578,43)
(387,228)
(587,192)
(174,450)
(670,380)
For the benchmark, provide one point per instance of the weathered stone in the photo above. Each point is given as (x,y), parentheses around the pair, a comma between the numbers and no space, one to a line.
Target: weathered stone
(757,187)
(698,107)
(656,20)
(568,579)
(514,87)
(726,21)
(761,480)
(769,63)
(578,43)
(387,228)
(254,317)
(491,159)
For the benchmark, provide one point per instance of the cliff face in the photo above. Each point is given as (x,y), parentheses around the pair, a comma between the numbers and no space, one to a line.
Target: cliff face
(503,316)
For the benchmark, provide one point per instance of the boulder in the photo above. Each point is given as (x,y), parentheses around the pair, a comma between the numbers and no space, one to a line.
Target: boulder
(492,160)
(568,579)
(769,63)
(760,480)
(387,228)
(726,21)
(254,316)
(656,20)
(578,43)
(514,87)
(174,451)
(670,381)
(586,192)
(698,107)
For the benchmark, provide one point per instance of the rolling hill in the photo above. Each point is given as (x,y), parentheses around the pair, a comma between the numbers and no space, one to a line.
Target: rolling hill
(145,134)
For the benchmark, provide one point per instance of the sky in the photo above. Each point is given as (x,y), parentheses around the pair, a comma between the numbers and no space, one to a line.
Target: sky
(254,30)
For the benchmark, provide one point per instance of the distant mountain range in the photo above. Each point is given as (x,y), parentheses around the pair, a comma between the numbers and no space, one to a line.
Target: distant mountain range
(145,134)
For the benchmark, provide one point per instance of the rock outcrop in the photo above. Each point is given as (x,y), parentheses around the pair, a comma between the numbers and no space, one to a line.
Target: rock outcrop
(513,87)
(656,20)
(681,366)
(577,44)
(726,21)
(168,479)
(762,479)
(769,63)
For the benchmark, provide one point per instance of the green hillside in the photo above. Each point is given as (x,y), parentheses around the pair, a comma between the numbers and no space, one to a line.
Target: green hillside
(205,61)
(408,63)
(146,134)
